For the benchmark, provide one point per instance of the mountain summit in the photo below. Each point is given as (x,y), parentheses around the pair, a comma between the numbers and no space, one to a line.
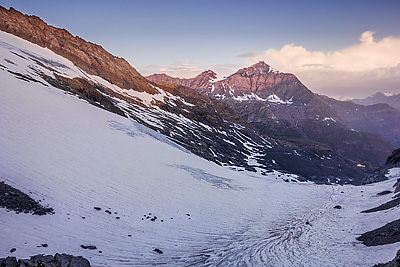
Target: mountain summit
(279,105)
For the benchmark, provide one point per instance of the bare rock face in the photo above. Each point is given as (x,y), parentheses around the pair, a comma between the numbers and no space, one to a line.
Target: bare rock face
(394,158)
(259,79)
(90,57)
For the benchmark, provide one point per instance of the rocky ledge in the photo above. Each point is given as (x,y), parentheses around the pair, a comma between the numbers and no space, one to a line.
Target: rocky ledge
(58,260)
(13,199)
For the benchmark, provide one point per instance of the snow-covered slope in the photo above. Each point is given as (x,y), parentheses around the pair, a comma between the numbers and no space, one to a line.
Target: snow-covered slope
(74,156)
(205,127)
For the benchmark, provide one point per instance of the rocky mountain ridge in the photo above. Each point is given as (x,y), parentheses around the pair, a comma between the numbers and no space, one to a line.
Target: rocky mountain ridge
(279,105)
(205,126)
(391,99)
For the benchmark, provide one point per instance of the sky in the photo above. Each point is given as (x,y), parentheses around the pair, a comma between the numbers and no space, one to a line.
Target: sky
(343,49)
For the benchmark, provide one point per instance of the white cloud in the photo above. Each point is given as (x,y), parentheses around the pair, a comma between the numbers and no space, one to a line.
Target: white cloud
(355,68)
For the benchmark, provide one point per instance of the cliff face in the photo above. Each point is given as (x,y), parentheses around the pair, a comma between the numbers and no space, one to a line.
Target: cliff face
(394,159)
(91,58)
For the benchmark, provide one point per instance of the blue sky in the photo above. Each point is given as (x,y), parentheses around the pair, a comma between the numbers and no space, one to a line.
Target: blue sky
(182,38)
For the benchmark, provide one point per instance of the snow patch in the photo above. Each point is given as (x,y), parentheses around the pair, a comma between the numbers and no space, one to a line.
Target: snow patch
(271,99)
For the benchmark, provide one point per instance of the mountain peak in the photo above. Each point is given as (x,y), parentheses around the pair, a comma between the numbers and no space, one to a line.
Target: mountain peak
(259,68)
(260,64)
(209,73)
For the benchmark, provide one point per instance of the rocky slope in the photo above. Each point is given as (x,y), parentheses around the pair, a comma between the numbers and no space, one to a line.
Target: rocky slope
(90,57)
(392,100)
(205,126)
(380,119)
(380,174)
(279,105)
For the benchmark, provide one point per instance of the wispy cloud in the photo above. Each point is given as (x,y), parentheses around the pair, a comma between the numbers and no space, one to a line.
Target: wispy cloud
(354,70)
(248,55)
(189,69)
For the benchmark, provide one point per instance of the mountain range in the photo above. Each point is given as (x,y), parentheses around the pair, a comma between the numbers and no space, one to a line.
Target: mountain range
(391,99)
(279,105)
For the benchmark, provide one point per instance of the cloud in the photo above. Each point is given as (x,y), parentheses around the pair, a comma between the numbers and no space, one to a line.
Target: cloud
(248,55)
(358,67)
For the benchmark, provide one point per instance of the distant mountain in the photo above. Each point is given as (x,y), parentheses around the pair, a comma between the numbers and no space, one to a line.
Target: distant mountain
(380,119)
(206,126)
(279,105)
(391,99)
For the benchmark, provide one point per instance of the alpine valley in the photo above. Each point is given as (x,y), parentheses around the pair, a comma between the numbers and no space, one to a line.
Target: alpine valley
(102,166)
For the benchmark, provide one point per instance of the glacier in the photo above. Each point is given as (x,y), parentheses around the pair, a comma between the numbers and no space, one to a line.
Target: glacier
(73,156)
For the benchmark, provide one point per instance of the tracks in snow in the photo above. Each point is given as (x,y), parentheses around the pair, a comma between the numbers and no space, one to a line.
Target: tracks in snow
(256,244)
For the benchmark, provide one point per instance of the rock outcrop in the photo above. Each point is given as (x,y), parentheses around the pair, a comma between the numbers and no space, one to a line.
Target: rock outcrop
(16,200)
(58,260)
(91,58)
(394,158)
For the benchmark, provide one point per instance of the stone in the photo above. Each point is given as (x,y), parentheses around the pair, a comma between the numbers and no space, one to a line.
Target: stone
(91,247)
(159,251)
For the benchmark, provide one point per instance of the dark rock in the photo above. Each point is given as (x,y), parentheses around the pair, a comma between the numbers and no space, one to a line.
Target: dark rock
(394,158)
(91,247)
(337,207)
(58,260)
(117,218)
(384,193)
(13,250)
(397,186)
(159,251)
(10,262)
(385,206)
(45,245)
(97,208)
(387,234)
(13,199)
